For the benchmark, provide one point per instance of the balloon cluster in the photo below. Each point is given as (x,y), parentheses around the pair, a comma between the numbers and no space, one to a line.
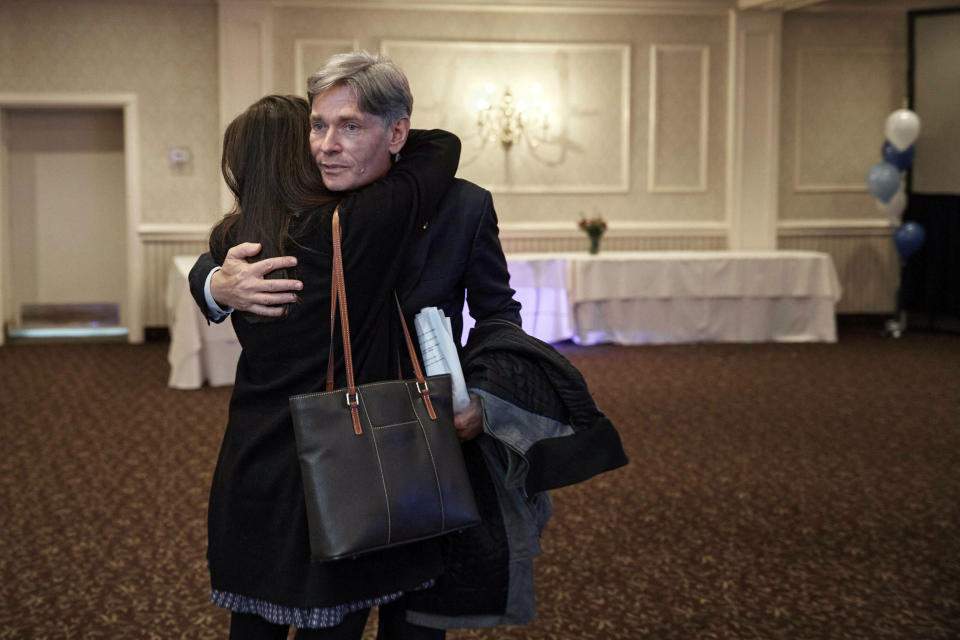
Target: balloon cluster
(884,179)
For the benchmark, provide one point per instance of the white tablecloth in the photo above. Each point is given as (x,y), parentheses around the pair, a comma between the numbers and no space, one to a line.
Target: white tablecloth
(542,289)
(636,297)
(642,297)
(199,352)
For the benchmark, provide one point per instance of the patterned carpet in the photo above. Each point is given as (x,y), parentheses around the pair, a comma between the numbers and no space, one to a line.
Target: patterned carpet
(775,491)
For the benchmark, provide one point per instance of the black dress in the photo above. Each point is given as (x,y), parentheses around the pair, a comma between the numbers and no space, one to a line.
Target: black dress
(258,544)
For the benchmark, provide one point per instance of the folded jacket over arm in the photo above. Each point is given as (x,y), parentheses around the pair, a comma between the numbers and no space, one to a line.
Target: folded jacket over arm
(551,422)
(542,430)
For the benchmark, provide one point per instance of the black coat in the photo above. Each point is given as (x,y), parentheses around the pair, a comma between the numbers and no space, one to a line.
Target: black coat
(258,543)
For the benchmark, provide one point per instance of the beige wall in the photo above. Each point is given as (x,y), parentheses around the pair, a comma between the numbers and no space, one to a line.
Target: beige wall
(607,119)
(843,73)
(164,52)
(840,73)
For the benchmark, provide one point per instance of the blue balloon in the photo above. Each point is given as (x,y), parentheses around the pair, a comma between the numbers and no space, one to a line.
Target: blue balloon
(883,180)
(900,159)
(908,238)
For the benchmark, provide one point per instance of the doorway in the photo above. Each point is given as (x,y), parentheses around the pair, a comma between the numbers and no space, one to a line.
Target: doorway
(65,204)
(69,200)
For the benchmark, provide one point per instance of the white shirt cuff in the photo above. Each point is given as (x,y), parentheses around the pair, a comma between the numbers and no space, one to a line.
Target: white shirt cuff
(216,313)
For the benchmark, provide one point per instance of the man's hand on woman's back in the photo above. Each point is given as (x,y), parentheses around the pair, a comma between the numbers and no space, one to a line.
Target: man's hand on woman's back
(244,286)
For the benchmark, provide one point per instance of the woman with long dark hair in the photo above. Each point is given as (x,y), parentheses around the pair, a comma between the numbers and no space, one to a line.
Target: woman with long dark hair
(266,164)
(258,551)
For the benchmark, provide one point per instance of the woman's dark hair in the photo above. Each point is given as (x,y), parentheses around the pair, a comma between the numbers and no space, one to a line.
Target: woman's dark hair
(267,165)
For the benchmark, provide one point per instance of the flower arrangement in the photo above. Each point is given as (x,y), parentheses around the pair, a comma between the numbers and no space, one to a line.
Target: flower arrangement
(594,228)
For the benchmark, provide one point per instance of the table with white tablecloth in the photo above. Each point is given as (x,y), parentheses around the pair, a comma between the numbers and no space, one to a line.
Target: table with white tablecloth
(199,351)
(624,297)
(541,283)
(644,297)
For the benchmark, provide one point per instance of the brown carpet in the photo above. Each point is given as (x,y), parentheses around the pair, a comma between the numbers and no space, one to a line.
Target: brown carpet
(775,491)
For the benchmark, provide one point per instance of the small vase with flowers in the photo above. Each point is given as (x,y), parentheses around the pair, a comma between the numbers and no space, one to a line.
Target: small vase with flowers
(594,228)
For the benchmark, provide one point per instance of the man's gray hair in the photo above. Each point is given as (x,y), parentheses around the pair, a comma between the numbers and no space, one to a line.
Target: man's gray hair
(380,86)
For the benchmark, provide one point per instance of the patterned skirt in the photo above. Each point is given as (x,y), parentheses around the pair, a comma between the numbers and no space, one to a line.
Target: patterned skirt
(317,618)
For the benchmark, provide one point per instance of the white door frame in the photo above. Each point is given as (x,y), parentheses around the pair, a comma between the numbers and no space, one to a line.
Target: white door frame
(133,314)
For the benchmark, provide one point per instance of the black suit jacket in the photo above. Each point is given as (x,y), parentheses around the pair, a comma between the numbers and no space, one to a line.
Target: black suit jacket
(456,251)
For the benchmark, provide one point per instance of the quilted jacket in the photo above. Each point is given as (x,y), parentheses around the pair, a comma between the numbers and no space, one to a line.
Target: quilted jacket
(542,430)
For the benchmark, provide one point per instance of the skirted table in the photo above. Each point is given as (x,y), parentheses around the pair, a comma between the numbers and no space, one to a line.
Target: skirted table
(199,351)
(624,297)
(644,297)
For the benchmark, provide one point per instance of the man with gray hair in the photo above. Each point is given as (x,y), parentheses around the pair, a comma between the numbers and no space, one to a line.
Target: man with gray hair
(360,117)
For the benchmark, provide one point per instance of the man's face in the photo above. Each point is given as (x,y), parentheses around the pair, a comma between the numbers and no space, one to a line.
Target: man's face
(351,148)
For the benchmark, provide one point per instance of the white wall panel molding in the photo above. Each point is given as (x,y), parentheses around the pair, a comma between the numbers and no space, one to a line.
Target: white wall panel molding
(662,110)
(863,253)
(620,236)
(878,6)
(310,53)
(734,124)
(174,232)
(587,85)
(161,242)
(837,148)
(614,229)
(246,55)
(65,100)
(753,128)
(246,61)
(561,7)
(835,227)
(158,254)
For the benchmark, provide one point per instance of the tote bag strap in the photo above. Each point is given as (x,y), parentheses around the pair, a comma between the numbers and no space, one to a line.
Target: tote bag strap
(333,310)
(417,371)
(339,293)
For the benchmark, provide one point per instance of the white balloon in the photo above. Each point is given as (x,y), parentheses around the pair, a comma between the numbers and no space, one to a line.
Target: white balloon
(903,127)
(895,207)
